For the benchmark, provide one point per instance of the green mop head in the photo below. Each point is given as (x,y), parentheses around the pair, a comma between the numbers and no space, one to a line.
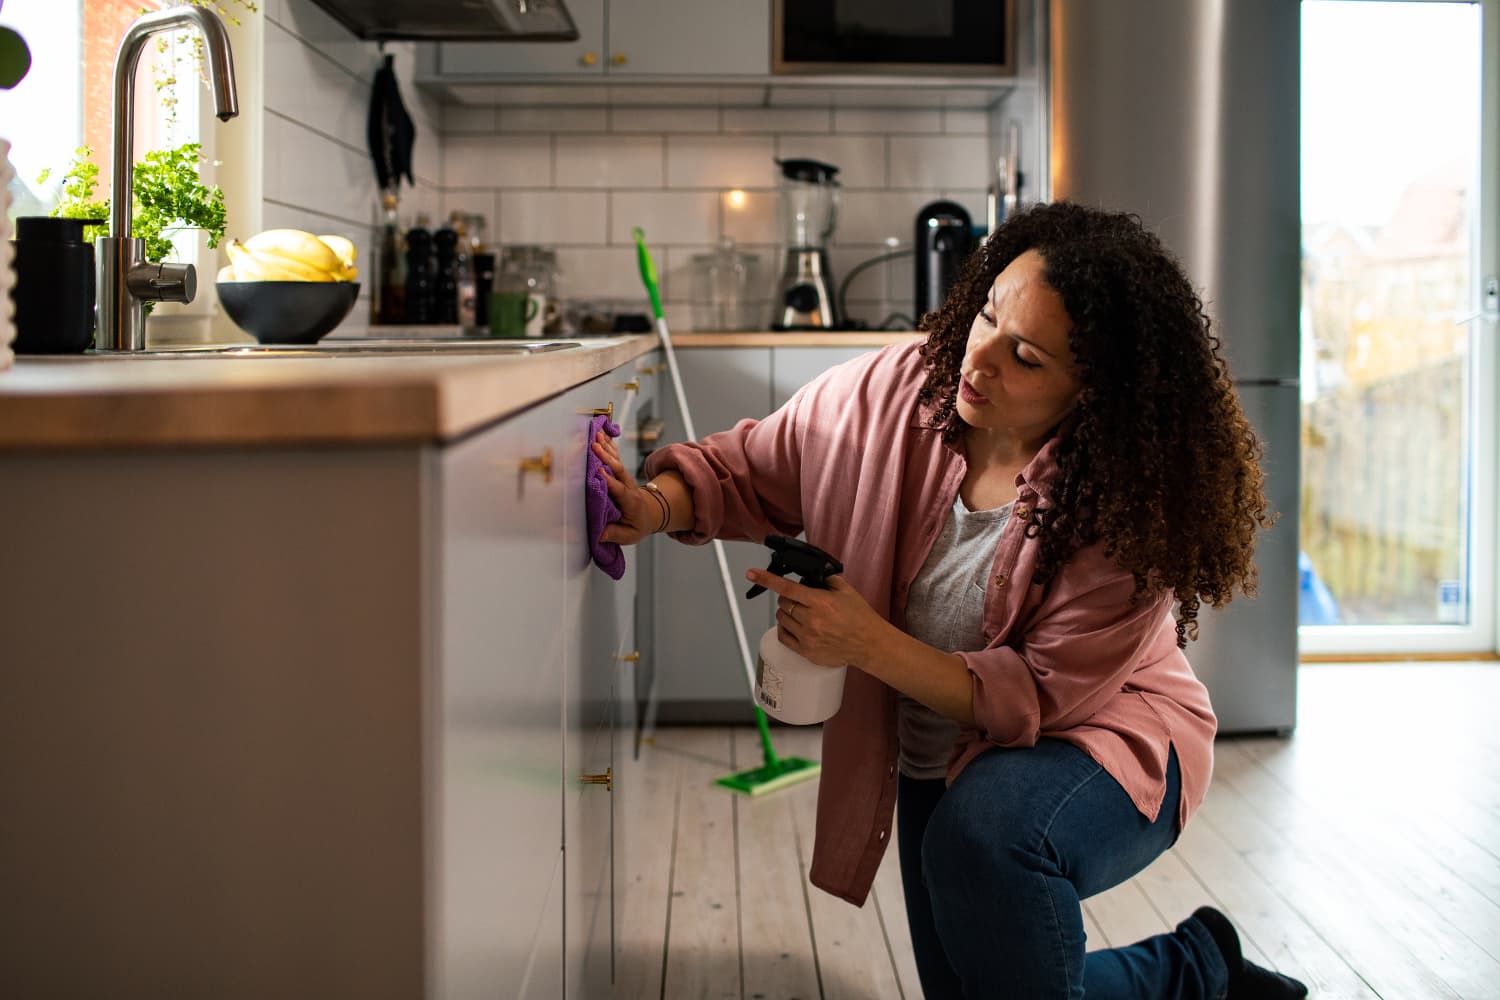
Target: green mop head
(770,777)
(774,772)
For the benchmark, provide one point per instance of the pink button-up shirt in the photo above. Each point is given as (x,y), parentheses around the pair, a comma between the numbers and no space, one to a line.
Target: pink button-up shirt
(857,464)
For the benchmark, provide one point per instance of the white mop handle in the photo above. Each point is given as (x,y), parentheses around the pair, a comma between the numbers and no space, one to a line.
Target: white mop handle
(729,587)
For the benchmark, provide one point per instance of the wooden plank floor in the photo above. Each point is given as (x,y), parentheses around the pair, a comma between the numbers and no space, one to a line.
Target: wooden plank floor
(1362,855)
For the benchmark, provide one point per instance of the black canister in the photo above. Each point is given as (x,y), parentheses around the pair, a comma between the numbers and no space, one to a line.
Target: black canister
(421,277)
(54,291)
(484,282)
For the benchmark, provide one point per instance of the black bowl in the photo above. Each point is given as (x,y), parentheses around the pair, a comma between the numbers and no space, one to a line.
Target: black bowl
(287,312)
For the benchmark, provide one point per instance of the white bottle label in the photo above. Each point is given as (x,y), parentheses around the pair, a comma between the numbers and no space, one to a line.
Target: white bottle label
(768,685)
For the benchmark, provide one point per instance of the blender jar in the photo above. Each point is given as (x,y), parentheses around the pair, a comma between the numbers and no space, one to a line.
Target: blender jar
(723,289)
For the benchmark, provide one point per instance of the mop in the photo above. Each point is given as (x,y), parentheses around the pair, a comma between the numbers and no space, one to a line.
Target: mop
(775,771)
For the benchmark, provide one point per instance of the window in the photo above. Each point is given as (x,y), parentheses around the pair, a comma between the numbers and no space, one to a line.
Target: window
(1396,503)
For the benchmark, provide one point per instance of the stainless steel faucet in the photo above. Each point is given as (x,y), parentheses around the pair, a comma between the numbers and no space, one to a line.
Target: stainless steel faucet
(126,281)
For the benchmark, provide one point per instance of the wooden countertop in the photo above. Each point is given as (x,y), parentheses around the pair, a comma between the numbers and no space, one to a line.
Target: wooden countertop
(850,338)
(93,402)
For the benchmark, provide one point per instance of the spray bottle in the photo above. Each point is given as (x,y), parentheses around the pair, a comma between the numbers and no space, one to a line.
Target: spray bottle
(789,686)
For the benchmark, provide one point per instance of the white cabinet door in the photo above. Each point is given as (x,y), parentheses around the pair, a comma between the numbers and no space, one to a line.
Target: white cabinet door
(498,592)
(700,676)
(698,37)
(544,974)
(488,60)
(643,37)
(794,367)
(593,640)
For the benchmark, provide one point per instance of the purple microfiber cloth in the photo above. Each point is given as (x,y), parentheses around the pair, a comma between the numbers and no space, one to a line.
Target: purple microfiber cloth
(599,509)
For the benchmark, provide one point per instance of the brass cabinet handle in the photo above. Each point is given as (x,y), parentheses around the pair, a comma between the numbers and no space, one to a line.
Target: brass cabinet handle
(607,779)
(651,430)
(630,657)
(652,369)
(589,59)
(619,59)
(634,385)
(542,463)
(608,411)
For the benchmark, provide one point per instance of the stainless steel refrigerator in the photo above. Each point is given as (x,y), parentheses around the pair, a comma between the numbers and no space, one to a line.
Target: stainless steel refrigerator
(1185,112)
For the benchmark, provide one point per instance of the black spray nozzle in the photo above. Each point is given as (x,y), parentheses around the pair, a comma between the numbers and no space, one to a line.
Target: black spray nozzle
(810,563)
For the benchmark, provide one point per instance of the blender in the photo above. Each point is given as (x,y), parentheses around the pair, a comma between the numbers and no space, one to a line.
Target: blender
(809,203)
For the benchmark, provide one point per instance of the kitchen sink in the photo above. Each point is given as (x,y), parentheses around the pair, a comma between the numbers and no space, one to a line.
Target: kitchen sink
(364,347)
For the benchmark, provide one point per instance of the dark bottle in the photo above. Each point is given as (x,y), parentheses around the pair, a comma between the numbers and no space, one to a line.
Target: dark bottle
(421,277)
(446,295)
(388,300)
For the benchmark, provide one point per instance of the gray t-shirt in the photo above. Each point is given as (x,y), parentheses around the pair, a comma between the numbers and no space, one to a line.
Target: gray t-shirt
(946,609)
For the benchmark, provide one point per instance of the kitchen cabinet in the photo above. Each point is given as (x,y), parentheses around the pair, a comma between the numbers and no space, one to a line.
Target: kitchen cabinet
(499,576)
(276,691)
(623,38)
(599,704)
(700,674)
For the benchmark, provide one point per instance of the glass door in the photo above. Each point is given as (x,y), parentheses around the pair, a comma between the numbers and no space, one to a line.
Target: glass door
(1399,364)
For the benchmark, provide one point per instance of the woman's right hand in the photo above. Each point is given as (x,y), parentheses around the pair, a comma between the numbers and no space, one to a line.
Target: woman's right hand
(640,514)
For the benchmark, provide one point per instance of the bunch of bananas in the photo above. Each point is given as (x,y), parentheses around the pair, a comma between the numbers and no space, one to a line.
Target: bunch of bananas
(290,255)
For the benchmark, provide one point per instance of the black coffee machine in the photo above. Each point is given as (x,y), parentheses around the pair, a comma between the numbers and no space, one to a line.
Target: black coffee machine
(944,239)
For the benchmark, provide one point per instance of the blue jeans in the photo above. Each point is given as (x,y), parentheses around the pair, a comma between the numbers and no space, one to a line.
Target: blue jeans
(994,869)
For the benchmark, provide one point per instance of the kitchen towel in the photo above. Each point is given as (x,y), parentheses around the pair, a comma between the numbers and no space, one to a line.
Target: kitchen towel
(599,509)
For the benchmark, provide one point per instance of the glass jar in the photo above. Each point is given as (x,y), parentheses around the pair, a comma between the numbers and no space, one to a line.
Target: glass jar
(724,286)
(525,293)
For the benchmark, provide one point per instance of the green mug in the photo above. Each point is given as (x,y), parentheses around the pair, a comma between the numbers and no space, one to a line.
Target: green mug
(510,312)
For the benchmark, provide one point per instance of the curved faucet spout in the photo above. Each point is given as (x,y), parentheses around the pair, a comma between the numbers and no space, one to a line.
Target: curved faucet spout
(221,79)
(124,278)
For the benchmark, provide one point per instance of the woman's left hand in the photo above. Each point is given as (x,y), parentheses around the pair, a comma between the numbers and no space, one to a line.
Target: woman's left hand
(832,628)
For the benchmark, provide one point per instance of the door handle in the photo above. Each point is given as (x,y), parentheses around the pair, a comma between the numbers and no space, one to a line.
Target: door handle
(607,779)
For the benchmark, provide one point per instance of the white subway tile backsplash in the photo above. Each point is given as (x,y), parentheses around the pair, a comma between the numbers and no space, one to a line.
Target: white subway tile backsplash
(552,217)
(868,284)
(887,120)
(666,216)
(939,161)
(321,175)
(679,316)
(484,203)
(860,158)
(972,201)
(777,119)
(309,23)
(273,153)
(720,162)
(609,161)
(490,162)
(314,90)
(966,122)
(463,118)
(663,120)
(600,273)
(554,119)
(752,216)
(873,217)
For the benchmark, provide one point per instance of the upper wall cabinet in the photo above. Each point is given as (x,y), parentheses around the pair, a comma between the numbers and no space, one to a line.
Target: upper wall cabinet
(625,38)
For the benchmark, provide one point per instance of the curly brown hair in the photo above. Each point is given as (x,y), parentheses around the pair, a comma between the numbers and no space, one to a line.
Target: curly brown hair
(1156,461)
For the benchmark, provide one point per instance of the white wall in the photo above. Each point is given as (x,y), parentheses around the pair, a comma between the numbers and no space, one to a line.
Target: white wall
(580,178)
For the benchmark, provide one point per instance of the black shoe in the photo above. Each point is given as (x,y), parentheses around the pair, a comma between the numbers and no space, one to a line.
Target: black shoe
(1247,981)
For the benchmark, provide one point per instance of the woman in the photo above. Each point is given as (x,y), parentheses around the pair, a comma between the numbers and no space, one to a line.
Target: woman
(1019,503)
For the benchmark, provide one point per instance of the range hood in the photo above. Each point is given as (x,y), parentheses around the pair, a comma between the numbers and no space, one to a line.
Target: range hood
(454,20)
